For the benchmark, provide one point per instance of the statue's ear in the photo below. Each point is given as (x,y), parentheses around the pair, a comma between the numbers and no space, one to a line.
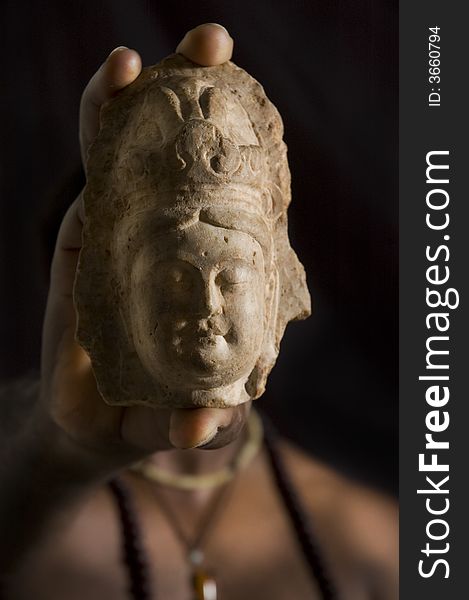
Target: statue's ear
(294,299)
(257,379)
(287,299)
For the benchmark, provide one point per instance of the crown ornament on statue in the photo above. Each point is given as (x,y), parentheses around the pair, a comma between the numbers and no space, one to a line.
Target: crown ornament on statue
(187,136)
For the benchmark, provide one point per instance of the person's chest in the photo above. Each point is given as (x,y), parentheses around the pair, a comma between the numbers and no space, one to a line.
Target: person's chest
(252,552)
(251,556)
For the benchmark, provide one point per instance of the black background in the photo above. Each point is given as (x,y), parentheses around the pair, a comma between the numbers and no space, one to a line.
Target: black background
(331,68)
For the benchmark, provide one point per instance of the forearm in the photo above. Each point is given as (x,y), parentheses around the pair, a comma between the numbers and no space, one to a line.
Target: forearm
(44,478)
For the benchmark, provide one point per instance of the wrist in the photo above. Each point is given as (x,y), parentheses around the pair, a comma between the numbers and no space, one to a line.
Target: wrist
(86,463)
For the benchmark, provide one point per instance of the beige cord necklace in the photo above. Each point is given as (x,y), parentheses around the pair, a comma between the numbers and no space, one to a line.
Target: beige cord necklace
(200,482)
(203,582)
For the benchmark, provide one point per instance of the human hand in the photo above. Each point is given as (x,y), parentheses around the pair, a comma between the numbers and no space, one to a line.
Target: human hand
(68,388)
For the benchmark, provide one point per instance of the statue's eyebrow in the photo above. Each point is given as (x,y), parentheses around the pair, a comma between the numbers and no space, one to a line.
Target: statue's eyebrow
(166,258)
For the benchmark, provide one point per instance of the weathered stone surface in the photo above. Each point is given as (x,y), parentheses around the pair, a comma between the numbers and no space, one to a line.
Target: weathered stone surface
(186,278)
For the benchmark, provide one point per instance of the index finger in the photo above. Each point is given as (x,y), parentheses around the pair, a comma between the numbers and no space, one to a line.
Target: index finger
(208,45)
(120,69)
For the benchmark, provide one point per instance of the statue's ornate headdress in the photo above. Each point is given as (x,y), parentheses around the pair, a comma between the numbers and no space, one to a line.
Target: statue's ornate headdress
(186,141)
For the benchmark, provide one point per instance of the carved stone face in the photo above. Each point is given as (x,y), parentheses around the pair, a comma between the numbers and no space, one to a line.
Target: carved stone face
(197,306)
(186,277)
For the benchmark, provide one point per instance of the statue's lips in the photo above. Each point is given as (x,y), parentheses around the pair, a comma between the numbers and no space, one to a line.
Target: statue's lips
(198,335)
(210,351)
(210,339)
(213,335)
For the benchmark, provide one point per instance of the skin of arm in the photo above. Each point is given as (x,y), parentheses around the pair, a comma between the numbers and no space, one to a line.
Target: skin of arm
(65,442)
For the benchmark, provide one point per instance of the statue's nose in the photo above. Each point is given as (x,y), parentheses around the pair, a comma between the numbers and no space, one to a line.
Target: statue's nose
(211,302)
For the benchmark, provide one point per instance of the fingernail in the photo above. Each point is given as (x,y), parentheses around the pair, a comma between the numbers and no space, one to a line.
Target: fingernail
(118,49)
(206,440)
(220,26)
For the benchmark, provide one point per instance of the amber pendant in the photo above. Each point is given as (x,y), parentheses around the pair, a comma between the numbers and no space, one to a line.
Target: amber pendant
(205,586)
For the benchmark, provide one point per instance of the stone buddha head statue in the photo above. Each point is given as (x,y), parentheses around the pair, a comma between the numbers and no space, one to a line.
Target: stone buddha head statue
(186,279)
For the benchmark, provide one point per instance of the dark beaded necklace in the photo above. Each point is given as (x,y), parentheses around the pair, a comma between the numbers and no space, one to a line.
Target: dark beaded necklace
(133,553)
(301,523)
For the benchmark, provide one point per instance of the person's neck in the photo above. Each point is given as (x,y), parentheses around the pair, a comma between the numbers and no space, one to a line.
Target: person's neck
(194,462)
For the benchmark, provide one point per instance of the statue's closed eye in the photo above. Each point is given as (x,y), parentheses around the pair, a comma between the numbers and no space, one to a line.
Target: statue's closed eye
(234,275)
(176,275)
(177,278)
